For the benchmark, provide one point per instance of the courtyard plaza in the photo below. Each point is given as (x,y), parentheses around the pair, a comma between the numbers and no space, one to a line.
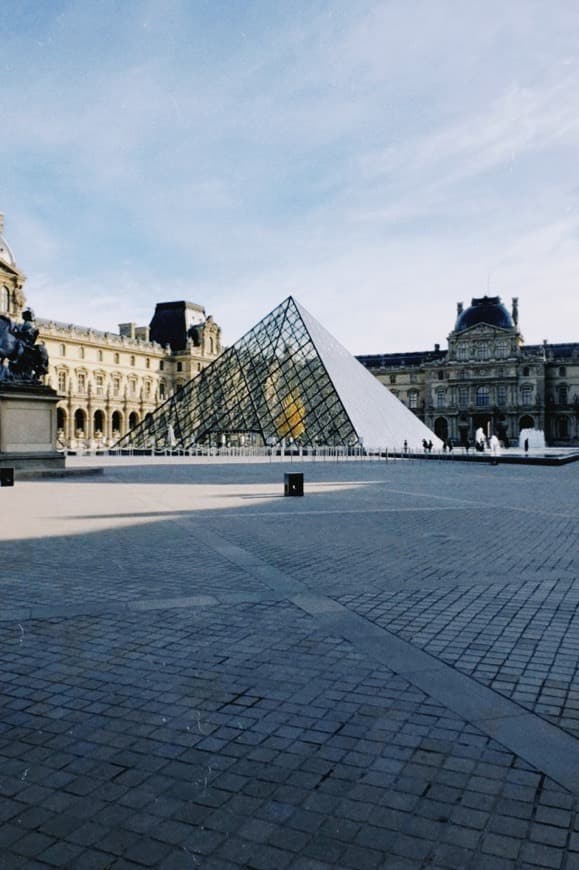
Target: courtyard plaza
(197,672)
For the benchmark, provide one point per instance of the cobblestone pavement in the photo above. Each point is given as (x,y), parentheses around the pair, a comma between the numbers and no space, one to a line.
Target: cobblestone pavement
(198,673)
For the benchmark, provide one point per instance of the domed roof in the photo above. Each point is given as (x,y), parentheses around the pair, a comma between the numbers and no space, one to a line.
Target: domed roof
(488,309)
(6,254)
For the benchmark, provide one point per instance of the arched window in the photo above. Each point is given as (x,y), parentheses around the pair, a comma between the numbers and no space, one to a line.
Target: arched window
(211,345)
(133,419)
(482,397)
(99,422)
(81,352)
(99,355)
(60,418)
(132,360)
(79,422)
(62,350)
(117,421)
(116,359)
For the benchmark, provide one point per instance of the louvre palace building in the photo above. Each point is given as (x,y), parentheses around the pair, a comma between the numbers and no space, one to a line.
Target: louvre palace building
(108,381)
(488,377)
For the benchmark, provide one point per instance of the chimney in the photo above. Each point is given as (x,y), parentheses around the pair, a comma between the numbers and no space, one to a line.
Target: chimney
(436,348)
(127,330)
(459,308)
(516,310)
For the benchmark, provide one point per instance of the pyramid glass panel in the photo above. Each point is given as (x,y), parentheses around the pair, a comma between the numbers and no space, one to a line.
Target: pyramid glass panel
(286,380)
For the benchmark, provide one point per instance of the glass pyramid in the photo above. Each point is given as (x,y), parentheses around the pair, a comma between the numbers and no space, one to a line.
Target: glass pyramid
(286,380)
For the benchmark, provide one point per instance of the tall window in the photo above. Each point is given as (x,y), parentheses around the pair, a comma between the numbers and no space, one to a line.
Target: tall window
(562,394)
(440,398)
(62,349)
(527,394)
(392,379)
(100,384)
(162,390)
(462,351)
(501,394)
(502,349)
(81,382)
(81,352)
(482,397)
(463,397)
(132,360)
(483,350)
(99,355)
(116,359)
(116,386)
(62,382)
(413,398)
(4,300)
(562,372)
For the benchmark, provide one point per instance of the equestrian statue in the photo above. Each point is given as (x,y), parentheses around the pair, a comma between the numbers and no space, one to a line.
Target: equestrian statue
(21,359)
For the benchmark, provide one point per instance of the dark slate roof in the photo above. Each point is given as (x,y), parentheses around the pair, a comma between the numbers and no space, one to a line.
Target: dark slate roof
(486,309)
(400,360)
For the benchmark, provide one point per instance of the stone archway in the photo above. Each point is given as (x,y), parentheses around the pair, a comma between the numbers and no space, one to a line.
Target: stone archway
(526,422)
(133,419)
(441,428)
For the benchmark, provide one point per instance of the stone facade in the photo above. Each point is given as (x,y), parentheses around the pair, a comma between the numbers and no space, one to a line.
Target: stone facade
(488,377)
(107,381)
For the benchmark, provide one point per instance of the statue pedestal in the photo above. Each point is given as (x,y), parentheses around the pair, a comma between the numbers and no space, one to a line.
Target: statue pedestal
(28,427)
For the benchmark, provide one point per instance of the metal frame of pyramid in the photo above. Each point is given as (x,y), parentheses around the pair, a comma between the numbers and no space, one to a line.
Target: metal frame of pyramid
(286,380)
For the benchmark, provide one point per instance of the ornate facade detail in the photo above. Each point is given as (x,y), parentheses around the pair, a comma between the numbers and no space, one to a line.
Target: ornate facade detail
(488,378)
(108,381)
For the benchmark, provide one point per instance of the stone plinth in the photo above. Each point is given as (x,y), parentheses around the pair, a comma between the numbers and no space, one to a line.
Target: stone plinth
(28,427)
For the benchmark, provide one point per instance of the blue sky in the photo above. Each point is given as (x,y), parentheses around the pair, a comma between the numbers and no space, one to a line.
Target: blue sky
(378,160)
